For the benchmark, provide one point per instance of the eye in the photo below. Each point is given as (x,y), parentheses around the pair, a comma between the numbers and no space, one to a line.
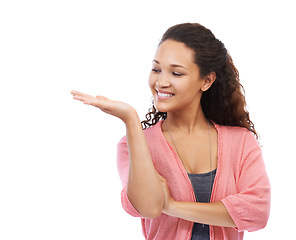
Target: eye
(155,70)
(177,74)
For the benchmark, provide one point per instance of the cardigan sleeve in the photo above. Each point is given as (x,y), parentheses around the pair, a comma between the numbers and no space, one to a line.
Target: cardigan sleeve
(250,207)
(123,168)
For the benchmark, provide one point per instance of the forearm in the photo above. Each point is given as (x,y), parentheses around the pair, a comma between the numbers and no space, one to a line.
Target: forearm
(143,188)
(206,213)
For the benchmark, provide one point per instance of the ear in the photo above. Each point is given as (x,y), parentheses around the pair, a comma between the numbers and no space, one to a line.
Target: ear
(208,81)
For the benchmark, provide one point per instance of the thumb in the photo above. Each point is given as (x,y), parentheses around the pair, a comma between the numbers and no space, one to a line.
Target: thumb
(161,178)
(101,98)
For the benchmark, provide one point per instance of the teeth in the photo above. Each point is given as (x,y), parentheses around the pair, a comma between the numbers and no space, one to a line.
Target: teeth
(164,94)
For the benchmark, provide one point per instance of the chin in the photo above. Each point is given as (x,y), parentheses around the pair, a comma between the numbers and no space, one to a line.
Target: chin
(162,107)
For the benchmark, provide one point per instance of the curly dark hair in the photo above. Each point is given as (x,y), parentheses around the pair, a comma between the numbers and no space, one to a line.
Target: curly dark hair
(224,102)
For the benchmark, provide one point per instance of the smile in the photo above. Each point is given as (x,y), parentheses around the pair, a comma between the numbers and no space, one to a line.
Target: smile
(164,94)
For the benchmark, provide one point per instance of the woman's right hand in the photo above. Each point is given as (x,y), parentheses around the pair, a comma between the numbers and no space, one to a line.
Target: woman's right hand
(118,109)
(143,187)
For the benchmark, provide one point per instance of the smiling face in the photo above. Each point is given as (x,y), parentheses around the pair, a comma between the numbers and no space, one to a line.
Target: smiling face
(175,81)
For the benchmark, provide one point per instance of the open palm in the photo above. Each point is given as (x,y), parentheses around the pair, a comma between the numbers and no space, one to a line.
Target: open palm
(116,108)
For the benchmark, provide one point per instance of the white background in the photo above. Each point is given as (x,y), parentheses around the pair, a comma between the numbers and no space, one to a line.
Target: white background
(58,175)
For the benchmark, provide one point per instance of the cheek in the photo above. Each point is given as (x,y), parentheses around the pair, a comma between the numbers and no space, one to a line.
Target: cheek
(188,89)
(152,81)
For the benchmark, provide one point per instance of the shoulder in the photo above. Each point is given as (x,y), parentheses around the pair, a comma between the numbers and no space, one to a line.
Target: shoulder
(238,146)
(150,133)
(238,136)
(234,131)
(154,131)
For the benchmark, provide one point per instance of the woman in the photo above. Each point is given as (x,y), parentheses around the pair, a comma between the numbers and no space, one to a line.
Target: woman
(196,171)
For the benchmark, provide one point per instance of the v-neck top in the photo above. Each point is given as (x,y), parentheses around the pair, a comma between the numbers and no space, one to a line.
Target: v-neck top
(202,186)
(241,184)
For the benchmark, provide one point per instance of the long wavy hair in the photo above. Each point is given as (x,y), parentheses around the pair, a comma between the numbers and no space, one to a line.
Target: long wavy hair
(224,102)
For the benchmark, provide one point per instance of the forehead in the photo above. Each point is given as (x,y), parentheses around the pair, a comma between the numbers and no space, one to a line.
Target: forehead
(171,51)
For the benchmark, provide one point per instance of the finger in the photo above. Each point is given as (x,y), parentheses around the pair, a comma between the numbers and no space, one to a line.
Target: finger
(85,98)
(80,98)
(90,100)
(81,94)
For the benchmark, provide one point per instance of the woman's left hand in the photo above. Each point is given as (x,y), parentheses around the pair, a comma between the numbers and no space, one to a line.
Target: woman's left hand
(168,200)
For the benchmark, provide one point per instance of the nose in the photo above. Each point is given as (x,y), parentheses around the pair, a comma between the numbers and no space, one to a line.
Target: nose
(163,81)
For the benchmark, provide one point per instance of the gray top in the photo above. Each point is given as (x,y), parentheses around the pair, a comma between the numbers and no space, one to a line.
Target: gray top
(203,190)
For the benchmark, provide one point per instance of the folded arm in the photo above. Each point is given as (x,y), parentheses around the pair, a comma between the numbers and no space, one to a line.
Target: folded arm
(206,213)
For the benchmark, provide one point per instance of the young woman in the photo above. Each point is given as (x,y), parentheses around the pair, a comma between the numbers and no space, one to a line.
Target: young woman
(196,170)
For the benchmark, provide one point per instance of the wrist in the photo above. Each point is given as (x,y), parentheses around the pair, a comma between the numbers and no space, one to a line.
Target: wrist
(170,207)
(131,118)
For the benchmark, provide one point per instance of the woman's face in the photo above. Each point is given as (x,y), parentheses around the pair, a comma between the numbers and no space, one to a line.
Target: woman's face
(175,81)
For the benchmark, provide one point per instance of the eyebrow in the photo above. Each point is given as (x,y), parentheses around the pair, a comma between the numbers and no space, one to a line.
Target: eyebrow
(172,65)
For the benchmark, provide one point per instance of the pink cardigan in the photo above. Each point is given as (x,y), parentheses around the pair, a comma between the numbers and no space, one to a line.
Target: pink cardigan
(241,183)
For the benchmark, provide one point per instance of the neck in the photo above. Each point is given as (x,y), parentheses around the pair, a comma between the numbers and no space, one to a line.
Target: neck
(188,121)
